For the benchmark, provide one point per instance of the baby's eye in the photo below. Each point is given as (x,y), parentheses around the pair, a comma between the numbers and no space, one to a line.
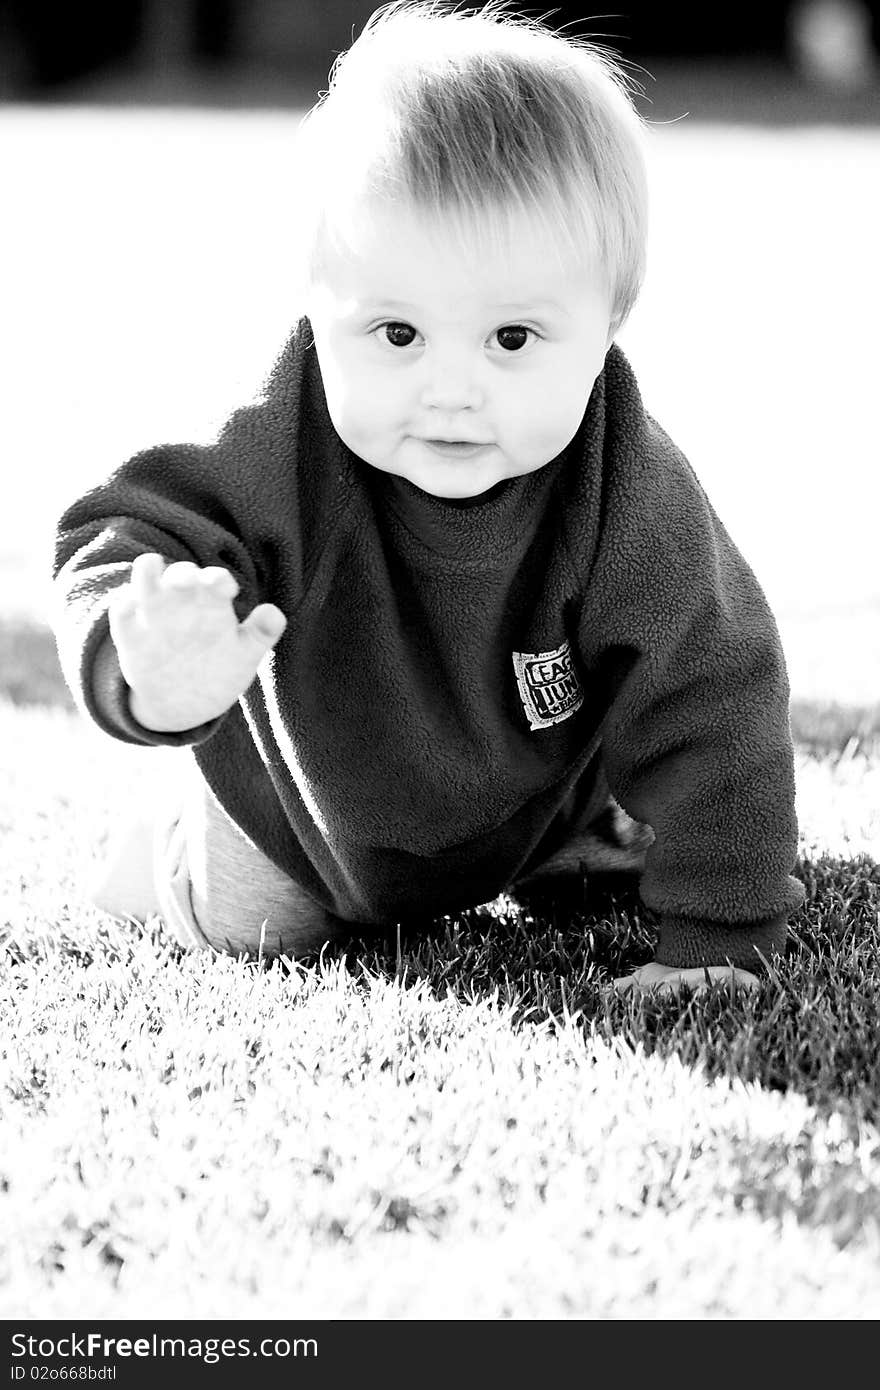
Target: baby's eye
(398,334)
(513,336)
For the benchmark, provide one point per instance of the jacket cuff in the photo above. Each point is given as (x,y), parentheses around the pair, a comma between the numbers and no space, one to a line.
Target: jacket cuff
(685,943)
(111,706)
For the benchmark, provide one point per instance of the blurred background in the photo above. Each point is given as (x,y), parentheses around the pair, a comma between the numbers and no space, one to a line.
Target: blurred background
(251,51)
(148,209)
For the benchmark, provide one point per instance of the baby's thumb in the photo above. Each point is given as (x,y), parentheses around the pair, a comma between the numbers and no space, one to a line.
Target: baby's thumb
(264,625)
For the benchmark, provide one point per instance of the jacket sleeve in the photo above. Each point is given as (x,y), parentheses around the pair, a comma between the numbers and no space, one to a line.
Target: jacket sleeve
(696,736)
(165,500)
(237,503)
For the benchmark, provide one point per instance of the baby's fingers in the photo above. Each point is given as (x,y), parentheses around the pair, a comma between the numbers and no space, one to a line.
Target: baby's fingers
(146,571)
(624,984)
(183,574)
(213,579)
(655,978)
(219,581)
(264,626)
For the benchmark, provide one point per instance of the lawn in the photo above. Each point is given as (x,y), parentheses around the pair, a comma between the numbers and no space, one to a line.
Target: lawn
(473,1125)
(470,1124)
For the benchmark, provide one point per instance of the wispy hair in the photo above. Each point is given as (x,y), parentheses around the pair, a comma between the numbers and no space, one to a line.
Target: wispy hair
(472,114)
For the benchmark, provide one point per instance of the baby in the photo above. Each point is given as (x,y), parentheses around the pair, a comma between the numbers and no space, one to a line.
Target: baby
(445,613)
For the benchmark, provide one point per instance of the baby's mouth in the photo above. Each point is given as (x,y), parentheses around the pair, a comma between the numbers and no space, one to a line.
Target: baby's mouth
(457,448)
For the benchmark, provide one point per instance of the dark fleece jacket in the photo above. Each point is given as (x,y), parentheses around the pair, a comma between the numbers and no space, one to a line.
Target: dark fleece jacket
(453,679)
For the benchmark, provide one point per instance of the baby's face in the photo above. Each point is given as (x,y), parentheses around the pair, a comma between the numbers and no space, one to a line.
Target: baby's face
(452,370)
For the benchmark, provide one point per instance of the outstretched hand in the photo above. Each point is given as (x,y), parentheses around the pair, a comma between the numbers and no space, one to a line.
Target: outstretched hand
(666,979)
(184,655)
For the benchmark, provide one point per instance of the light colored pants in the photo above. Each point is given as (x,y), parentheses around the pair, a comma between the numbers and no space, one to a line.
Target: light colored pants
(216,890)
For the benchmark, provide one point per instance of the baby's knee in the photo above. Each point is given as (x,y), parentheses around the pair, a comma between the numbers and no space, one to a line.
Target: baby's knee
(301,935)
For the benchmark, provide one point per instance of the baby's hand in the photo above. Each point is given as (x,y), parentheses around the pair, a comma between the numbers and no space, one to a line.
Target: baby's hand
(184,654)
(666,978)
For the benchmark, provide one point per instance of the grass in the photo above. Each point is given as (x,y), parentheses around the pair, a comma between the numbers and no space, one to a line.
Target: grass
(465,1124)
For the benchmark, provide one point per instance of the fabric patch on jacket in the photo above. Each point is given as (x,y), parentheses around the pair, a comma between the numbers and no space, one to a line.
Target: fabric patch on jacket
(548,686)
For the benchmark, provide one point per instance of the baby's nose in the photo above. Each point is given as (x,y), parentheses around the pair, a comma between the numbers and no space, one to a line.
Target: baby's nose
(451,386)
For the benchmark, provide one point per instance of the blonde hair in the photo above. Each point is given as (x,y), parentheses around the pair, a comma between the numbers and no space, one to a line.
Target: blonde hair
(473,114)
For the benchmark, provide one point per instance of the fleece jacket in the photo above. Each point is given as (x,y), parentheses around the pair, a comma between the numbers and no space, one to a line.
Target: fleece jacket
(454,679)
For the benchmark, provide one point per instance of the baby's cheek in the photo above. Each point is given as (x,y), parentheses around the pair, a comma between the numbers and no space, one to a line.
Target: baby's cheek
(534,434)
(366,421)
(382,419)
(345,408)
(363,426)
(565,406)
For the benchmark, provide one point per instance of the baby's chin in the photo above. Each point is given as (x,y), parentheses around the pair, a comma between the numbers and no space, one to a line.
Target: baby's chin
(461,493)
(456,482)
(444,493)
